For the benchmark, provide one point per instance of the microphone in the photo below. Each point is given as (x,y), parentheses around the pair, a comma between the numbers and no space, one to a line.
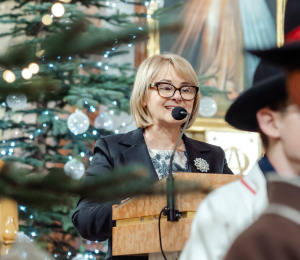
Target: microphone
(178,113)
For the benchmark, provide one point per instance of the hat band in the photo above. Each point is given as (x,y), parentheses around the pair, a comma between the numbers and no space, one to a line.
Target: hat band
(292,36)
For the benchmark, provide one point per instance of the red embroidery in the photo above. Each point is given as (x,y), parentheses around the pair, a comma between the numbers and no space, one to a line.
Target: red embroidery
(253,191)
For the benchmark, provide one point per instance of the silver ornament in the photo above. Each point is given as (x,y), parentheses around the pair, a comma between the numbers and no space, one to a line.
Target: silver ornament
(160,3)
(84,257)
(74,169)
(208,107)
(22,238)
(26,251)
(104,121)
(78,122)
(16,101)
(79,257)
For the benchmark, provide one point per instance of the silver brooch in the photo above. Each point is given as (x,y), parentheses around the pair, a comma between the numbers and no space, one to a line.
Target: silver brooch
(201,164)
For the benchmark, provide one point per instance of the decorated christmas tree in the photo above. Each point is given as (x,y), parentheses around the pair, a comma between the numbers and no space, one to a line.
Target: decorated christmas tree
(58,97)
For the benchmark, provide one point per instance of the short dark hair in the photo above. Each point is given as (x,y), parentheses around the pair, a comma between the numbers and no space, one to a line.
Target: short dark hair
(279,106)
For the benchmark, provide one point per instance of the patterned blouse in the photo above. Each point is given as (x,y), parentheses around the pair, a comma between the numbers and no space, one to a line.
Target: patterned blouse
(161,161)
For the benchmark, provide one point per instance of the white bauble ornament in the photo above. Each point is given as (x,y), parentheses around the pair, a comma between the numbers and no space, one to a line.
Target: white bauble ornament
(208,107)
(84,257)
(16,101)
(74,169)
(160,3)
(78,122)
(79,257)
(22,238)
(26,251)
(104,121)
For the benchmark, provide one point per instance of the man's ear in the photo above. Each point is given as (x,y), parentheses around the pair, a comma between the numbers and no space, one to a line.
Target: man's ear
(268,122)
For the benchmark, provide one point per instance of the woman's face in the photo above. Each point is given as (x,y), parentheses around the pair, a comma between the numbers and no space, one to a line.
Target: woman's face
(161,108)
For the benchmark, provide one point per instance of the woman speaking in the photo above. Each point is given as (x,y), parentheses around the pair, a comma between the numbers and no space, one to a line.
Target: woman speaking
(162,83)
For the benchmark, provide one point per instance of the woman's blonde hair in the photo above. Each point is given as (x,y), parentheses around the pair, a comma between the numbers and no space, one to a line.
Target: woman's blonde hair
(146,73)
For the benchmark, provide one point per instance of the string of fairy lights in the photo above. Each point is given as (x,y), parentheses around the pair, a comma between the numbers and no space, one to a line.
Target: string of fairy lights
(19,101)
(89,254)
(104,119)
(58,10)
(10,77)
(208,106)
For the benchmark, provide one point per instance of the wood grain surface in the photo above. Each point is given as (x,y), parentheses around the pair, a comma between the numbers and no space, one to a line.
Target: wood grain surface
(142,206)
(136,231)
(144,239)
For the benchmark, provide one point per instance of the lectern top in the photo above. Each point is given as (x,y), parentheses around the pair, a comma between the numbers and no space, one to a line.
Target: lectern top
(142,206)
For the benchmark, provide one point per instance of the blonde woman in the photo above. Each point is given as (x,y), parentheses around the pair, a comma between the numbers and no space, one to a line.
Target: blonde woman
(162,83)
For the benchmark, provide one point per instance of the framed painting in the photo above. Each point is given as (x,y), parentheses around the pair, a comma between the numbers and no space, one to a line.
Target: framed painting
(213,38)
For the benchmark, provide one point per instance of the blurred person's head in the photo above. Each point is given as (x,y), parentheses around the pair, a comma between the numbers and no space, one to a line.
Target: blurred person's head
(268,90)
(279,121)
(267,109)
(154,93)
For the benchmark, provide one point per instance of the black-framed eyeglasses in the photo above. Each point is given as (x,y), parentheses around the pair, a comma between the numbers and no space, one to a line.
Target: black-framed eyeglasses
(167,90)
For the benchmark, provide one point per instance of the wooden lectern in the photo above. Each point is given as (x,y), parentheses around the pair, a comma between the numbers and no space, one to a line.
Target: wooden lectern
(136,231)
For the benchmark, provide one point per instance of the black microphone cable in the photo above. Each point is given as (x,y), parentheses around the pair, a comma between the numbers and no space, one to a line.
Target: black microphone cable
(161,249)
(178,113)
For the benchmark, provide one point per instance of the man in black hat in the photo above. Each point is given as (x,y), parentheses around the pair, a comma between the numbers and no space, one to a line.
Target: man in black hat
(265,108)
(276,234)
(229,210)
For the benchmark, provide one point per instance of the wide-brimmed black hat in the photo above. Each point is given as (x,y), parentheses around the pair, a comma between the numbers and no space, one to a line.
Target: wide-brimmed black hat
(268,88)
(287,56)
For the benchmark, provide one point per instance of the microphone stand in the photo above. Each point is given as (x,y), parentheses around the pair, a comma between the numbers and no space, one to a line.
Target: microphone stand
(171,212)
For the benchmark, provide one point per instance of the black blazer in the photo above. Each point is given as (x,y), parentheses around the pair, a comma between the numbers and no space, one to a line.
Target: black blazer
(94,220)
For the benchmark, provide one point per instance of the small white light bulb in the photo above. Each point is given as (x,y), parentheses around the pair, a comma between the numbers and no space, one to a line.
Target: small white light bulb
(9,76)
(58,10)
(26,73)
(34,68)
(47,19)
